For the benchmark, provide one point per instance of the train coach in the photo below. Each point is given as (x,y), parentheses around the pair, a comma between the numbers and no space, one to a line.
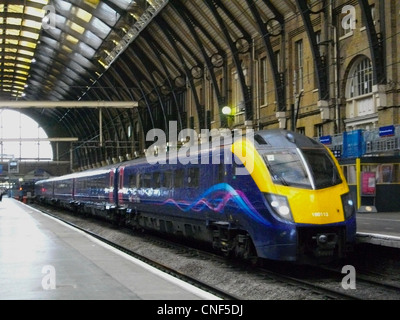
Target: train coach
(279,196)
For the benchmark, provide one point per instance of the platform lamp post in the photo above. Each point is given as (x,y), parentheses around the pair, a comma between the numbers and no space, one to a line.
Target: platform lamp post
(227,111)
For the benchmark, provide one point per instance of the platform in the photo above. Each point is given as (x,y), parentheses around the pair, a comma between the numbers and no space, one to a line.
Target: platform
(44,259)
(380,228)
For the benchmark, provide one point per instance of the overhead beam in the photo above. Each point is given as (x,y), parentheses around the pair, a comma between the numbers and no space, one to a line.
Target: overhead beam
(62,139)
(69,104)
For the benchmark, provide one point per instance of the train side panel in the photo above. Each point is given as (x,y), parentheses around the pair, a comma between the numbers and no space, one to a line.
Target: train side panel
(95,192)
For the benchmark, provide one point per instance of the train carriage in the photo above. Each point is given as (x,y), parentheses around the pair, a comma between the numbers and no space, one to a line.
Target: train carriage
(95,192)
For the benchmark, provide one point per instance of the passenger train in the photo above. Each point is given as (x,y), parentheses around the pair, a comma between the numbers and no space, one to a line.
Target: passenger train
(292,203)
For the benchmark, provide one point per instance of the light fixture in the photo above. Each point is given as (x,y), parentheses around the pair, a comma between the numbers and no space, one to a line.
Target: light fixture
(226,110)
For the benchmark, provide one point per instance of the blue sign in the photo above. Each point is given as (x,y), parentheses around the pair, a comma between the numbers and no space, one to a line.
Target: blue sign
(353,144)
(386,131)
(325,139)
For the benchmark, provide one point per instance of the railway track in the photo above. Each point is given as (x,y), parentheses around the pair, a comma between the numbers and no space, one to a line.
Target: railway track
(231,279)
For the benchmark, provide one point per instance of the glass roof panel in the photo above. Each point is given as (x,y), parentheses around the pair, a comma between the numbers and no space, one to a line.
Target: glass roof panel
(12,32)
(91,39)
(21,78)
(64,6)
(123,4)
(86,51)
(28,34)
(12,41)
(83,14)
(107,14)
(32,24)
(42,54)
(26,52)
(27,44)
(14,21)
(40,1)
(101,28)
(22,66)
(22,72)
(71,39)
(92,3)
(66,48)
(14,50)
(15,8)
(35,12)
(75,27)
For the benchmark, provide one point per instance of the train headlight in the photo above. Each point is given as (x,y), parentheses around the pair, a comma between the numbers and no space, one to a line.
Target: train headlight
(280,206)
(348,205)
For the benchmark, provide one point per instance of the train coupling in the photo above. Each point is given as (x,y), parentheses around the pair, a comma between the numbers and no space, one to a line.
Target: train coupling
(325,244)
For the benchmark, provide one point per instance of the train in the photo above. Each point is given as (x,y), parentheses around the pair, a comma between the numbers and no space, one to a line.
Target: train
(275,195)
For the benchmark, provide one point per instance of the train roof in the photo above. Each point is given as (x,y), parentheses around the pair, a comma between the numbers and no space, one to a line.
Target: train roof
(284,139)
(272,138)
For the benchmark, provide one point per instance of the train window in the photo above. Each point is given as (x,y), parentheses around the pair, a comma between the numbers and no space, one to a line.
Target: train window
(221,172)
(287,168)
(193,177)
(259,139)
(324,171)
(179,178)
(156,180)
(132,181)
(145,180)
(167,181)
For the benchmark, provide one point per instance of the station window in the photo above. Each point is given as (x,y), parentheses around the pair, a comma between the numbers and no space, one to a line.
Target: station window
(388,173)
(263,80)
(299,71)
(360,80)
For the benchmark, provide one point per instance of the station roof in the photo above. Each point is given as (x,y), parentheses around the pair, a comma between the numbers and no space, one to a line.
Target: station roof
(116,50)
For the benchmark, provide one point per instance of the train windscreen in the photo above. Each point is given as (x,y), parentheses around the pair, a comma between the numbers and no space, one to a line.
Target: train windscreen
(306,168)
(323,169)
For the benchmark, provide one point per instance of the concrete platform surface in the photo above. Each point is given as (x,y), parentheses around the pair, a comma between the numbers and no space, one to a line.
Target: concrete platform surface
(42,258)
(380,228)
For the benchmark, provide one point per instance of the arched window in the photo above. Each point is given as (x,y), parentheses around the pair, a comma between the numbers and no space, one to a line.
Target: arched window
(18,133)
(360,79)
(361,107)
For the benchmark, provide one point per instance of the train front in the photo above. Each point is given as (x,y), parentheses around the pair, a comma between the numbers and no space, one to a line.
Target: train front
(306,197)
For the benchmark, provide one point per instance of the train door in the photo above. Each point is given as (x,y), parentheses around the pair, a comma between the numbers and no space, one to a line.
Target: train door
(120,185)
(111,186)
